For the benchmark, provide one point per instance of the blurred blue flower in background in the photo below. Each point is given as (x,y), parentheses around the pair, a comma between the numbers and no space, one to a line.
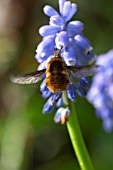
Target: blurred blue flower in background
(61,32)
(101,91)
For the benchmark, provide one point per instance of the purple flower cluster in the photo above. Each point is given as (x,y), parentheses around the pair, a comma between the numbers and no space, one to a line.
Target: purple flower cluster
(101,91)
(61,32)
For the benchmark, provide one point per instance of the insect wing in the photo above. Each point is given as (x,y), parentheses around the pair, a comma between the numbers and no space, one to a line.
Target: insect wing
(83,71)
(29,78)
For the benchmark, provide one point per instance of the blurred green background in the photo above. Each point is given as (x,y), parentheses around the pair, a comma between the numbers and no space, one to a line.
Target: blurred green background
(30,140)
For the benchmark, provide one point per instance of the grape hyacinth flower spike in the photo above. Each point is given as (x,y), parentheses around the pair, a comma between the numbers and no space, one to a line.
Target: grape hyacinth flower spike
(61,32)
(101,91)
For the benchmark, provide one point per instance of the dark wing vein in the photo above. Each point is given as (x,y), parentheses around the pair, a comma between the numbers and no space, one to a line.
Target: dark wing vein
(29,78)
(83,71)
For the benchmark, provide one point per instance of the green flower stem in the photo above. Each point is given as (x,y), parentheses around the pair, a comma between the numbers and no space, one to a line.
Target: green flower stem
(77,141)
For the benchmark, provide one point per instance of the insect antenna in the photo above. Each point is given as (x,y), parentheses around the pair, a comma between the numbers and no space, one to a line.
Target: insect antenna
(61,49)
(58,52)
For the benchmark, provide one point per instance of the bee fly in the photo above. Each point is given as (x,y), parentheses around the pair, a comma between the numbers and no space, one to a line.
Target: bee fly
(57,74)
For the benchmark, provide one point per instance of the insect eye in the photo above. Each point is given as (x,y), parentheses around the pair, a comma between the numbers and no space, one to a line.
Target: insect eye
(55,49)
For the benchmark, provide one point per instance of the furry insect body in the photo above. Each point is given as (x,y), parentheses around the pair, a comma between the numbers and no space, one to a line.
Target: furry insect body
(57,75)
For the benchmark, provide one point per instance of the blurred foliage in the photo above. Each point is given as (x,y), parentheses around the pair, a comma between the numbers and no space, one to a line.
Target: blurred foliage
(28,138)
